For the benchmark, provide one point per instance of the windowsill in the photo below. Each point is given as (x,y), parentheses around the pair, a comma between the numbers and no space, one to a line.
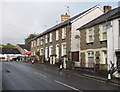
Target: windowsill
(63,38)
(103,40)
(89,42)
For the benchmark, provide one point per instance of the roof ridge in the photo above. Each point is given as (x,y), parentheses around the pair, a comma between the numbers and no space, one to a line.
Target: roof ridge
(65,22)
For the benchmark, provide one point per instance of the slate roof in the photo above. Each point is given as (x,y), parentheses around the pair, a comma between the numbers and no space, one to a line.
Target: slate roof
(63,23)
(115,13)
(23,46)
(9,51)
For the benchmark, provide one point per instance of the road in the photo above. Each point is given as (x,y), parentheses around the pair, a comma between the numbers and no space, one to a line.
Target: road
(27,76)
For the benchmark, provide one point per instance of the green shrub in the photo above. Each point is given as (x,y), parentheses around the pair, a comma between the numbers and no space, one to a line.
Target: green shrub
(69,64)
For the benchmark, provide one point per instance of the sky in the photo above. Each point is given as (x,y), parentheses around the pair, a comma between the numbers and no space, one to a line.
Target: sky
(19,19)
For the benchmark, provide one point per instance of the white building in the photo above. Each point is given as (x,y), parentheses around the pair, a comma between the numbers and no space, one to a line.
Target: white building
(113,36)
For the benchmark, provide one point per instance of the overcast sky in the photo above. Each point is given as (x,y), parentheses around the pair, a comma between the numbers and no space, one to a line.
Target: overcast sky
(19,19)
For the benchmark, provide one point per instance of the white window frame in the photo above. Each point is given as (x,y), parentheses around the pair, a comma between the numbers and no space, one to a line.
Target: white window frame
(50,50)
(41,41)
(90,54)
(51,37)
(34,43)
(41,51)
(57,53)
(38,41)
(46,38)
(104,57)
(57,35)
(63,49)
(64,33)
(46,52)
(104,31)
(90,35)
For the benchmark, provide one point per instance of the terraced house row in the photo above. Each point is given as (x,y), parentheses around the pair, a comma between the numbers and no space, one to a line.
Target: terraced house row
(100,41)
(59,42)
(87,39)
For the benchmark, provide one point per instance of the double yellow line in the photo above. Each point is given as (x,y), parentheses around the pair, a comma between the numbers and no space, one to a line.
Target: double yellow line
(71,73)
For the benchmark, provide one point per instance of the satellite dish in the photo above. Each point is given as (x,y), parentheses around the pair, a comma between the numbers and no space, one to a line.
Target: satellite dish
(77,36)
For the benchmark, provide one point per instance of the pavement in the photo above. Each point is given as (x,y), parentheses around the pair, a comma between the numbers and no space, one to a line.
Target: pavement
(88,74)
(27,76)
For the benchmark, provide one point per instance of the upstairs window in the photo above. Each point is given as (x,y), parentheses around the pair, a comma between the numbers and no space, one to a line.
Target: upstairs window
(51,37)
(104,32)
(38,42)
(90,35)
(64,33)
(34,43)
(41,41)
(46,39)
(57,35)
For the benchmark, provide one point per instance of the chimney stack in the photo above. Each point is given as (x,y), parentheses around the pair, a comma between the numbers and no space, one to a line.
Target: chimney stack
(107,8)
(65,17)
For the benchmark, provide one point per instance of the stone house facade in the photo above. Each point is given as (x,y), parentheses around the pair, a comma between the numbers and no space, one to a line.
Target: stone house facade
(59,42)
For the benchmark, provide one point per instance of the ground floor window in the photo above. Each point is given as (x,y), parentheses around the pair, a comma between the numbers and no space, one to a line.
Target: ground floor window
(46,53)
(51,50)
(57,51)
(90,59)
(41,51)
(104,55)
(63,49)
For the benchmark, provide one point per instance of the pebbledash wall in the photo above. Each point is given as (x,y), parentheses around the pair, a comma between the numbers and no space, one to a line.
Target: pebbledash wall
(59,42)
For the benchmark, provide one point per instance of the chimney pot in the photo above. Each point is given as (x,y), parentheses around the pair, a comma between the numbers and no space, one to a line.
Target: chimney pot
(107,8)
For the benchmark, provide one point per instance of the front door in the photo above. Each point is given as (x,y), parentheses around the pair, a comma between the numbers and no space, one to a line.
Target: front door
(75,56)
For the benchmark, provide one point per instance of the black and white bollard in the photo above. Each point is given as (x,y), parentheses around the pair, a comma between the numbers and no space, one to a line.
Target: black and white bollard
(109,77)
(61,67)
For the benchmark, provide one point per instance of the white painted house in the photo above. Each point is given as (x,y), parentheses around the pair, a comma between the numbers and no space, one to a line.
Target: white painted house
(84,18)
(113,36)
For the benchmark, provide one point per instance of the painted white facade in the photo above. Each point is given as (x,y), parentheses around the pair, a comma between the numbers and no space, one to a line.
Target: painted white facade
(113,43)
(80,21)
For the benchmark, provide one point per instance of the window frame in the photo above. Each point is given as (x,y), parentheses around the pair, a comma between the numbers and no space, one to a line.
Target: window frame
(91,56)
(57,35)
(90,35)
(51,37)
(64,31)
(46,39)
(64,49)
(38,41)
(104,25)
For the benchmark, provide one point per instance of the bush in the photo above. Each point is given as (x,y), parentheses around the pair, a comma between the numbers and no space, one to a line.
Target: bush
(69,64)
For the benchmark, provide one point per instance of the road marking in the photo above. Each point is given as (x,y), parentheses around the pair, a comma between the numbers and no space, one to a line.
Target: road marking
(91,78)
(41,74)
(66,85)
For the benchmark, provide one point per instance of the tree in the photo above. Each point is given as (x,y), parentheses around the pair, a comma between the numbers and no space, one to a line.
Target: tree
(8,45)
(28,39)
